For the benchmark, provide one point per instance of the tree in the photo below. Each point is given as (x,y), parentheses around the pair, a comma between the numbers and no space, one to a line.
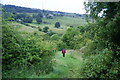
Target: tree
(45,29)
(20,16)
(105,31)
(19,51)
(7,15)
(68,37)
(28,19)
(109,22)
(40,15)
(34,16)
(39,20)
(57,24)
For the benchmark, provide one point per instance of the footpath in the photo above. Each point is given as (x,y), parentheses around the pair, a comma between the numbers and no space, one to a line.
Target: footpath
(66,67)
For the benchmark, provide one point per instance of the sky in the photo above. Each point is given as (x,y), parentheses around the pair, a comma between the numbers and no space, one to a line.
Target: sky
(73,6)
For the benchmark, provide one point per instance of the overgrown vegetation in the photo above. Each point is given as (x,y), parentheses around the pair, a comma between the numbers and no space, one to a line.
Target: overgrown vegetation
(25,52)
(31,48)
(103,52)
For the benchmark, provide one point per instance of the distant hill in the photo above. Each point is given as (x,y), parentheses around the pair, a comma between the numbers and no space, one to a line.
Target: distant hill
(18,9)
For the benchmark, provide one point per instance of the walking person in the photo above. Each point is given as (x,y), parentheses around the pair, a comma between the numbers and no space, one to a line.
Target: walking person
(63,52)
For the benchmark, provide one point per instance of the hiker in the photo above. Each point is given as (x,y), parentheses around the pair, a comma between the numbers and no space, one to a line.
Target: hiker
(63,52)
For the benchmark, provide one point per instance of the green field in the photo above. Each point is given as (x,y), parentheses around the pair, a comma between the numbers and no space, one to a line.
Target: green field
(65,22)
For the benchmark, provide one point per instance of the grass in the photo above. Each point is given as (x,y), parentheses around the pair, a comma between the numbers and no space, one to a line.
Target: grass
(64,21)
(64,67)
(58,31)
(26,29)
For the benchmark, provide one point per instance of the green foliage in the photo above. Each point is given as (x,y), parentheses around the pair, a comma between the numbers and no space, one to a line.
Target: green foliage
(66,21)
(39,20)
(99,41)
(6,15)
(23,17)
(67,67)
(50,33)
(39,29)
(82,29)
(107,26)
(69,36)
(40,15)
(9,19)
(79,41)
(34,16)
(26,51)
(20,16)
(102,54)
(101,66)
(28,19)
(54,37)
(57,24)
(60,44)
(45,29)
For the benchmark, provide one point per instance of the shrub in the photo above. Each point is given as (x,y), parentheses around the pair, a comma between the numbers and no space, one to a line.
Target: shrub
(26,51)
(78,41)
(28,19)
(39,29)
(57,24)
(39,20)
(101,65)
(69,36)
(60,45)
(54,37)
(45,29)
(50,33)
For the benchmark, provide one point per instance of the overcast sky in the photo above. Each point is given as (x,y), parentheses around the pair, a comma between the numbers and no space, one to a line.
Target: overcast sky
(74,6)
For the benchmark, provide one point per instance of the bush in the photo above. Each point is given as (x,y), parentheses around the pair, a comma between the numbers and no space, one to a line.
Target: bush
(9,19)
(26,51)
(39,20)
(39,29)
(60,45)
(54,37)
(69,36)
(57,24)
(50,33)
(20,16)
(28,19)
(45,29)
(101,65)
(78,41)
